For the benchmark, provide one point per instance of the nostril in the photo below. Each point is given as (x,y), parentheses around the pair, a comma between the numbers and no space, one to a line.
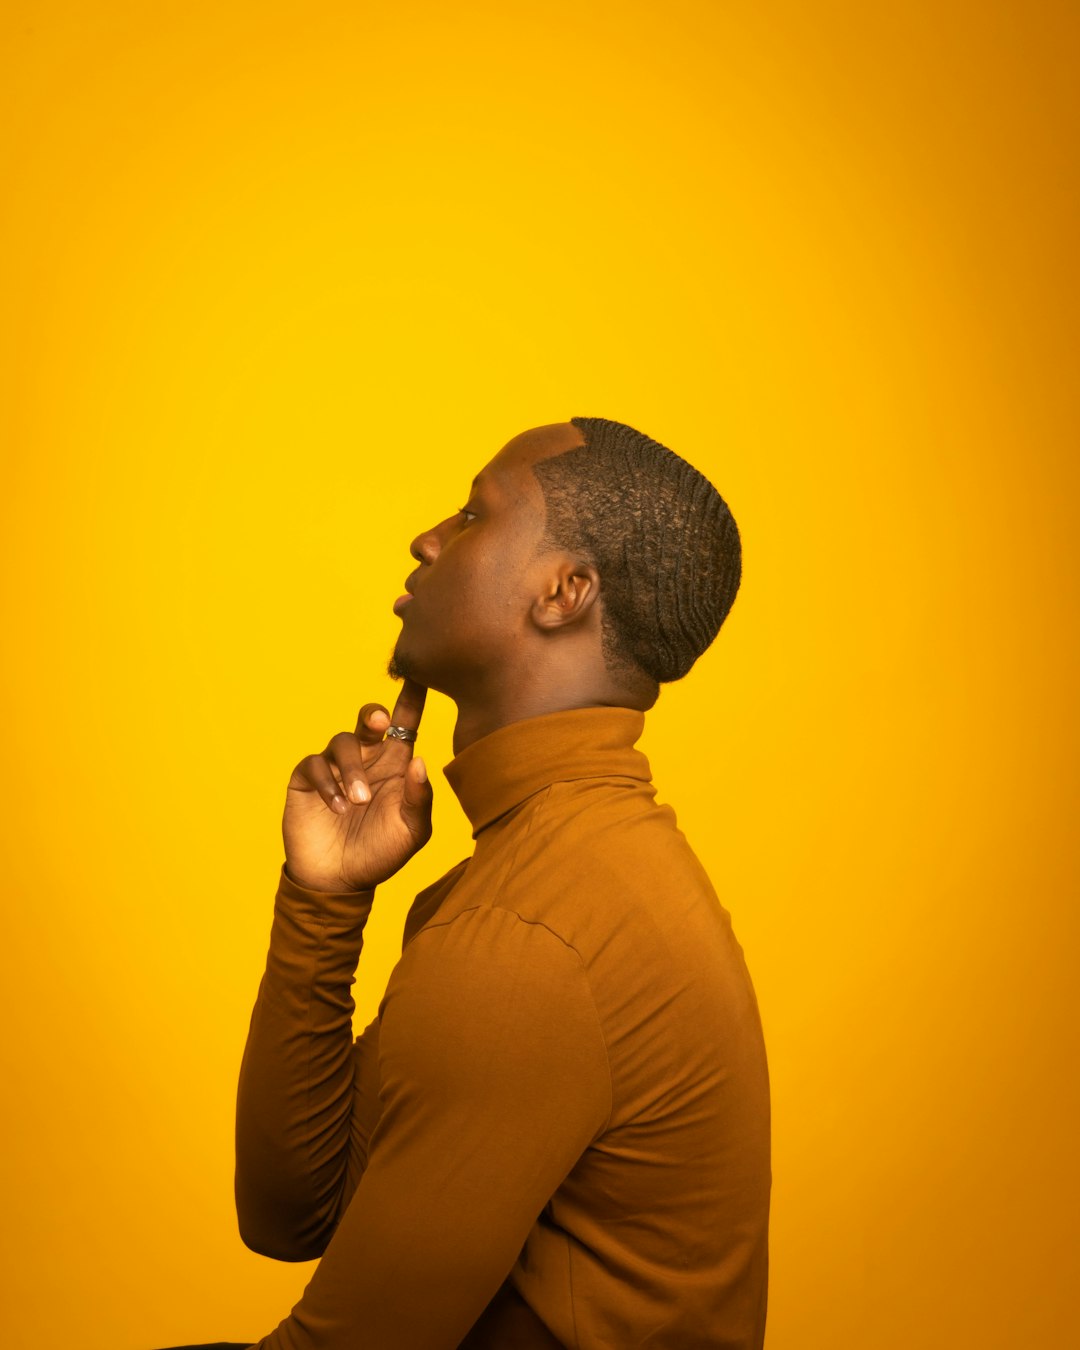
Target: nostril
(425,547)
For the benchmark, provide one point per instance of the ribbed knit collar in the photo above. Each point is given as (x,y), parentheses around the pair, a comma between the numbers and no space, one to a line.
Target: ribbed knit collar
(494,774)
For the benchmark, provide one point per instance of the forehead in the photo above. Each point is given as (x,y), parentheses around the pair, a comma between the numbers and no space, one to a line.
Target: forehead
(510,469)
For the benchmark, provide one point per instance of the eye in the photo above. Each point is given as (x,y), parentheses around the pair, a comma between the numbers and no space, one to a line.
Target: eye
(464,511)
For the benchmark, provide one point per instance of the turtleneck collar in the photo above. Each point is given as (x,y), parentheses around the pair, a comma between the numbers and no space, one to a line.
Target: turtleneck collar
(497,772)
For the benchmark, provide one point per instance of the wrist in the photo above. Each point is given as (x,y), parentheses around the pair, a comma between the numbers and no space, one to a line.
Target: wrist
(324,885)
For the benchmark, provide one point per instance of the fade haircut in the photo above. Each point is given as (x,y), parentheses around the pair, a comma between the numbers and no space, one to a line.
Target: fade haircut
(661,537)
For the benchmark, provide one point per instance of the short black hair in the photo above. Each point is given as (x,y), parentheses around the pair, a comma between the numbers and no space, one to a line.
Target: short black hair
(662,538)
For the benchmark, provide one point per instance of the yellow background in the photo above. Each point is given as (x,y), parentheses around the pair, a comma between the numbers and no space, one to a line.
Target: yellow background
(278,279)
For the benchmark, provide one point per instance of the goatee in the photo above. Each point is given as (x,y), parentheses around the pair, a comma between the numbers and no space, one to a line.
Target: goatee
(398,667)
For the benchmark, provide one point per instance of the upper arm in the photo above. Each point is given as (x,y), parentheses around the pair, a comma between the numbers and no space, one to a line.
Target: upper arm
(493,1080)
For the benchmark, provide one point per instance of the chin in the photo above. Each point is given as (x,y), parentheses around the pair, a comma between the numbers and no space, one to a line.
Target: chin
(399,667)
(403,666)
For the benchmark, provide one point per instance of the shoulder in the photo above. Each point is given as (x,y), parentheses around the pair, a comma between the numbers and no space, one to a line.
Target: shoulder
(488,991)
(490,948)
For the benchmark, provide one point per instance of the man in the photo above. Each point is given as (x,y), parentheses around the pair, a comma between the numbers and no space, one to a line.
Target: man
(556,1130)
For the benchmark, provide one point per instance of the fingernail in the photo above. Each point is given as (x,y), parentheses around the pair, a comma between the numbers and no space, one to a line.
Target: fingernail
(359,792)
(339,803)
(421,769)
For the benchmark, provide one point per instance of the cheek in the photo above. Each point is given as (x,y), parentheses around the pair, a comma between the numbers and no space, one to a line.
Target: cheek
(508,589)
(488,587)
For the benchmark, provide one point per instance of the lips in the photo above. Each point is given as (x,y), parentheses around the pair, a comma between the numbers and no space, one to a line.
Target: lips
(403,600)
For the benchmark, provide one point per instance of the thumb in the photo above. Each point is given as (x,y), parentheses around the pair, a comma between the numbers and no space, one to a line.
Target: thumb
(416,797)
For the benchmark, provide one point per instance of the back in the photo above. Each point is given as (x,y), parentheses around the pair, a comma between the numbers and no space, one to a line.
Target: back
(658,1235)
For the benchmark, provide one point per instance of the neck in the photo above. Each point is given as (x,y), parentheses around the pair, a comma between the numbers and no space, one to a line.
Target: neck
(543,691)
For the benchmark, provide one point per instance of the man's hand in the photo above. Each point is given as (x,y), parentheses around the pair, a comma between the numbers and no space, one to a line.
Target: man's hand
(357,813)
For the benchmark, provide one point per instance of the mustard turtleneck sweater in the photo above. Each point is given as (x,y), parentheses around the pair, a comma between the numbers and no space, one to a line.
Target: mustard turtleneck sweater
(556,1130)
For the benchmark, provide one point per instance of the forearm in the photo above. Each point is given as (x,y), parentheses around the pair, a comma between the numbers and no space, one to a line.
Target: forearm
(296,1083)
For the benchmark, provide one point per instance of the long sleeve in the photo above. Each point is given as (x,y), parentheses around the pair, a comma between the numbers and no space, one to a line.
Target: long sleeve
(556,1131)
(493,1079)
(307,1095)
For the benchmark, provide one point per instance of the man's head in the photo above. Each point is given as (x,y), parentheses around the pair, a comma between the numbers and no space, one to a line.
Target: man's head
(587,556)
(661,537)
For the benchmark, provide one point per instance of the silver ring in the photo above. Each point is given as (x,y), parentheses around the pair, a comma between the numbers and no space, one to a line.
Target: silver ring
(395,733)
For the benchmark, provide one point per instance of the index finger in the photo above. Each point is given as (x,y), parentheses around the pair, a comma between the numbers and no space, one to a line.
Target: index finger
(409,707)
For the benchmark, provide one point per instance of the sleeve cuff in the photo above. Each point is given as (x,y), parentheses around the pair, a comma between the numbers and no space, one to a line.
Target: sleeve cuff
(340,908)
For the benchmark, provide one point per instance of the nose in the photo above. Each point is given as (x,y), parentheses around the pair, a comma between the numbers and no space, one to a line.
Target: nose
(426,546)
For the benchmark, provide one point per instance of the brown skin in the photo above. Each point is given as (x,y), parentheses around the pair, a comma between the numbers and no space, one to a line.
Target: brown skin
(505,628)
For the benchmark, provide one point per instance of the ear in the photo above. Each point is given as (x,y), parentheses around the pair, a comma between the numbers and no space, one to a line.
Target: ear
(570,591)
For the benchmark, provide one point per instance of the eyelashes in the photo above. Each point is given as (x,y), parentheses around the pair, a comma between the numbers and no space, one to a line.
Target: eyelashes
(464,511)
